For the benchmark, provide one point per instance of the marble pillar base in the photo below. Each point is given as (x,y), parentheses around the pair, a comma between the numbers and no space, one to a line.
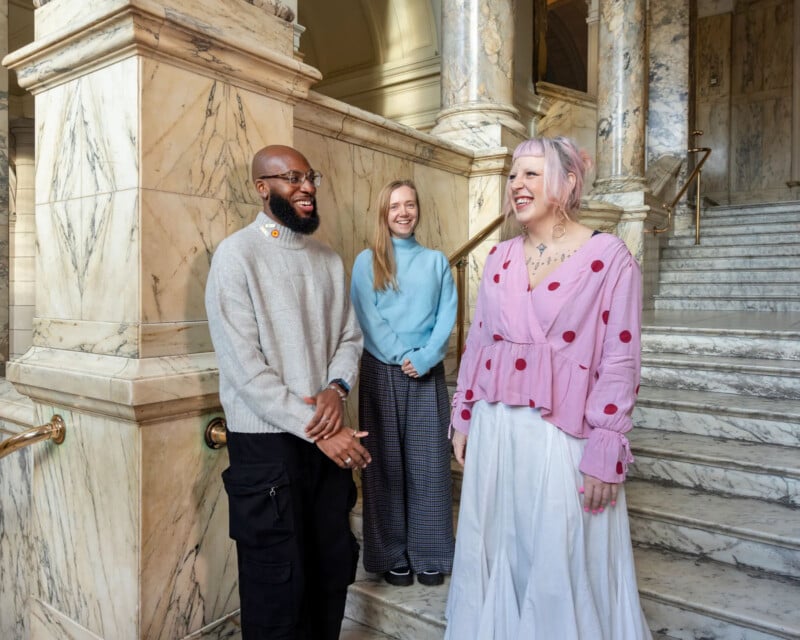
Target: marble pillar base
(481,126)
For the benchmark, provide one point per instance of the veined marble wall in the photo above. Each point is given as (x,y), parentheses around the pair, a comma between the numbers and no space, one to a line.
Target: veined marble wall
(4,218)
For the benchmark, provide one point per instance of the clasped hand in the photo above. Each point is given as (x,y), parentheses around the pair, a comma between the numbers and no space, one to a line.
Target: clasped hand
(325,429)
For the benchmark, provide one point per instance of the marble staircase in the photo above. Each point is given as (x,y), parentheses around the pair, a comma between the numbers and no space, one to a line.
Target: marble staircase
(714,494)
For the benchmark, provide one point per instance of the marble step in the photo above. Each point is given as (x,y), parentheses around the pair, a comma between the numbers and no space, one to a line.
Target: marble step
(761,234)
(697,599)
(404,613)
(720,415)
(734,263)
(751,212)
(731,303)
(729,289)
(744,343)
(742,276)
(352,630)
(788,249)
(725,467)
(741,532)
(747,376)
(724,220)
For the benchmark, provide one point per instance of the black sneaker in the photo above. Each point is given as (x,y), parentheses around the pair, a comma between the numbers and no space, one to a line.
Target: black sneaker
(399,577)
(431,578)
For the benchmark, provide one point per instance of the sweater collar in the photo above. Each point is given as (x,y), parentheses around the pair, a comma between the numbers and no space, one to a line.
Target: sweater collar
(404,243)
(279,234)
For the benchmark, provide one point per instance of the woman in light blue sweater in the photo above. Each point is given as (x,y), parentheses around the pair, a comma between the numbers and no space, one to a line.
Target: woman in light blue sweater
(405,300)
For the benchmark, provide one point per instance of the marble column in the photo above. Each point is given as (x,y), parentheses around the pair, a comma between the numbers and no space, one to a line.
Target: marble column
(22,239)
(621,96)
(592,45)
(621,111)
(147,116)
(477,75)
(4,252)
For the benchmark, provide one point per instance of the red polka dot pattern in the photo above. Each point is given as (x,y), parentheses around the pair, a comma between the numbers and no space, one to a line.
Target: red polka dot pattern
(637,390)
(497,337)
(520,364)
(597,265)
(605,317)
(493,249)
(553,286)
(506,263)
(568,336)
(610,409)
(488,364)
(468,394)
(531,404)
(496,277)
(583,367)
(620,469)
(625,336)
(465,414)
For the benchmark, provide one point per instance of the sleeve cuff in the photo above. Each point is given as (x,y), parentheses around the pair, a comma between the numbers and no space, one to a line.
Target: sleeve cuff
(606,456)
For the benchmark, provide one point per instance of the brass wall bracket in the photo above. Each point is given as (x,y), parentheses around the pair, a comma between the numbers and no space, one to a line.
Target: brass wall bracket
(216,433)
(54,430)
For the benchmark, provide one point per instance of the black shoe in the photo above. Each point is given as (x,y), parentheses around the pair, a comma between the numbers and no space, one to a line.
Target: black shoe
(399,577)
(431,578)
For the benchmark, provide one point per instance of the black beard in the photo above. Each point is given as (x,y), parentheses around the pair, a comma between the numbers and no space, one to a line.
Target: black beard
(283,210)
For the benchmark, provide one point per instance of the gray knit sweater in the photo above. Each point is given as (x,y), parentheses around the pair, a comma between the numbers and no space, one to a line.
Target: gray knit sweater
(282,326)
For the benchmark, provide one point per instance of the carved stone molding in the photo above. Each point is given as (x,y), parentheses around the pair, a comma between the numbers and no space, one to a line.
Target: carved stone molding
(275,7)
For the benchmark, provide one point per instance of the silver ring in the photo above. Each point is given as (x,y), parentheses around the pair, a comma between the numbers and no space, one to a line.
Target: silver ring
(348,460)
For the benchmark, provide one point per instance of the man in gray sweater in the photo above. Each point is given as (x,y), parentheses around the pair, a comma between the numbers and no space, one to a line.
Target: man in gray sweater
(288,346)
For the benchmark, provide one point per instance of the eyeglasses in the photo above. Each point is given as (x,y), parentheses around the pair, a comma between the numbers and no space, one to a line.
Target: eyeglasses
(297,177)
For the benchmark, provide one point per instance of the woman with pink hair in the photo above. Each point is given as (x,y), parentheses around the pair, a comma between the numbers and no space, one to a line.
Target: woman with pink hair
(545,392)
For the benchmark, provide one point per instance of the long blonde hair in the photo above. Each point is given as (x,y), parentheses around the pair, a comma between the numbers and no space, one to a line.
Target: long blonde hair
(384,267)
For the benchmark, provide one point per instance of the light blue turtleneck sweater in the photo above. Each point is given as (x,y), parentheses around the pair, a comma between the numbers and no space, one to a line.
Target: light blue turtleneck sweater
(415,321)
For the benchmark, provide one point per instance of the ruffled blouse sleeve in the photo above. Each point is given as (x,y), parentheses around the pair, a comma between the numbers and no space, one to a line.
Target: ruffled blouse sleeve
(612,397)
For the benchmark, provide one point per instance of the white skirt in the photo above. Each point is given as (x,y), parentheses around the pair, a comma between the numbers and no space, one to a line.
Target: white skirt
(530,563)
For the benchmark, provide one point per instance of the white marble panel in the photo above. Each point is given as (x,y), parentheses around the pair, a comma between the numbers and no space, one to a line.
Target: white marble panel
(86,505)
(183,136)
(176,254)
(444,207)
(16,554)
(47,623)
(189,571)
(248,129)
(87,134)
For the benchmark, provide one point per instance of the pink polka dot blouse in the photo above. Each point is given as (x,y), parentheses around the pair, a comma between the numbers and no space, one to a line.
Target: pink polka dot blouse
(571,347)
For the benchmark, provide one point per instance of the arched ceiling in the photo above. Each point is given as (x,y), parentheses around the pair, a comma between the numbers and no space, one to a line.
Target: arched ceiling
(347,35)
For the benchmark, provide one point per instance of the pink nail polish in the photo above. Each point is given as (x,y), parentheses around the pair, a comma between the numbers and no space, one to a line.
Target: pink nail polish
(586,509)
(580,490)
(594,512)
(601,509)
(613,503)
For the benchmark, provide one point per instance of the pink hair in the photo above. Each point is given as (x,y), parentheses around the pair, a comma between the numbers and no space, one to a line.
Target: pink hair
(561,157)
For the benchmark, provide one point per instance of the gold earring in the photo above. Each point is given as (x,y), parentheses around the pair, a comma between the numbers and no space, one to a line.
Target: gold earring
(559,229)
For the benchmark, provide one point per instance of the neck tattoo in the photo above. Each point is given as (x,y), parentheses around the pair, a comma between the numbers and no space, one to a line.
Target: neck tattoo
(541,247)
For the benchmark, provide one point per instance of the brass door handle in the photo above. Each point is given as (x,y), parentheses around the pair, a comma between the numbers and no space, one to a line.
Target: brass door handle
(54,430)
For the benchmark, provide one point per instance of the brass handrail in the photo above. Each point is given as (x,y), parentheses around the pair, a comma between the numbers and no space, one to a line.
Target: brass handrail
(698,170)
(216,433)
(459,261)
(54,430)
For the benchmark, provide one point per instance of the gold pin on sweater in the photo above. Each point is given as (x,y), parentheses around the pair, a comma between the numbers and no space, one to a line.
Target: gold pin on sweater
(270,229)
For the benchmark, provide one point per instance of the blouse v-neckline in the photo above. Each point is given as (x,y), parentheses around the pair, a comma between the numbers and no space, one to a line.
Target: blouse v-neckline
(532,288)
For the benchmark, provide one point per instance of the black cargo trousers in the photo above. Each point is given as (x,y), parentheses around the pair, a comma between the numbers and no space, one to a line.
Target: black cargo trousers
(289,508)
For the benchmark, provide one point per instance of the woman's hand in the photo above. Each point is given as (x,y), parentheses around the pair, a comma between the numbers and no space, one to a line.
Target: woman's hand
(597,495)
(460,446)
(409,369)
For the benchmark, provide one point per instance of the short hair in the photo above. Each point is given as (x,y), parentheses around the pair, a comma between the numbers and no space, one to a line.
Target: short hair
(561,157)
(384,267)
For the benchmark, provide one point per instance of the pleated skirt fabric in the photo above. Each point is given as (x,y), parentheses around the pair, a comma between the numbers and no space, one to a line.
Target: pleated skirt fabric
(530,563)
